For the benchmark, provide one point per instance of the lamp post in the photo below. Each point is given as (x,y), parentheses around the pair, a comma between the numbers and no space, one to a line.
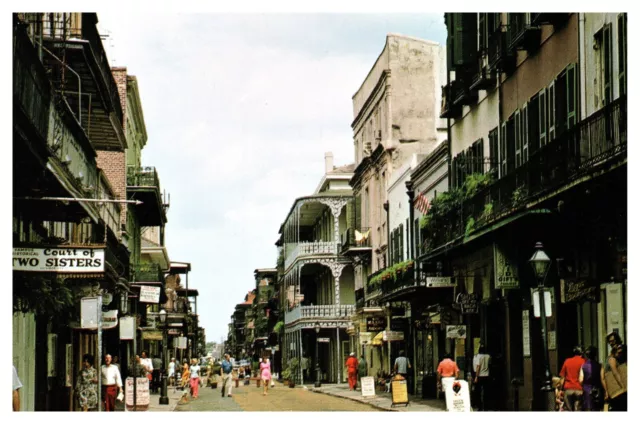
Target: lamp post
(540,263)
(317,383)
(164,399)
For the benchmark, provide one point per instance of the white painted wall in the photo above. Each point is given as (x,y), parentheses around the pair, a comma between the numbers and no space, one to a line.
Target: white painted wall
(476,124)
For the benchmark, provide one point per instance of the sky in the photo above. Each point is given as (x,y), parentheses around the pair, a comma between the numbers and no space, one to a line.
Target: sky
(239,111)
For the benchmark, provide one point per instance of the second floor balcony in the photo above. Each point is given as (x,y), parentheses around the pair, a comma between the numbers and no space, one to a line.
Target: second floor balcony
(319,313)
(310,248)
(356,241)
(143,183)
(147,272)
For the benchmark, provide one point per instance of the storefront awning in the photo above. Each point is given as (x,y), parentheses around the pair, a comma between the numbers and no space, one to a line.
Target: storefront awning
(377,340)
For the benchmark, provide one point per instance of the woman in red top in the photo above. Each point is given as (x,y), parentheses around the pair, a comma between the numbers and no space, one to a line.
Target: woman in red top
(447,368)
(352,370)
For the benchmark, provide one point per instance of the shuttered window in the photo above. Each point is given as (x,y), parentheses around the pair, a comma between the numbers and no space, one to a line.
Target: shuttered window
(542,117)
(494,154)
(518,138)
(503,149)
(572,96)
(534,129)
(622,53)
(511,143)
(606,51)
(401,243)
(551,112)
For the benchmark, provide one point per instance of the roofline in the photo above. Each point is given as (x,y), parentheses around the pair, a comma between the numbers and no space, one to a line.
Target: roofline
(311,197)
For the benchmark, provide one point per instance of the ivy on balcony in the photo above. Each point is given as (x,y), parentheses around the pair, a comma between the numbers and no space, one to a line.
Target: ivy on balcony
(392,276)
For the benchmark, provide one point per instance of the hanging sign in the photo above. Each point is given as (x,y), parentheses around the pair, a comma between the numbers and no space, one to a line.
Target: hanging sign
(572,290)
(127,325)
(323,339)
(535,297)
(456,332)
(376,324)
(468,303)
(457,396)
(506,272)
(526,337)
(65,260)
(368,386)
(439,282)
(180,342)
(142,393)
(392,336)
(399,393)
(149,294)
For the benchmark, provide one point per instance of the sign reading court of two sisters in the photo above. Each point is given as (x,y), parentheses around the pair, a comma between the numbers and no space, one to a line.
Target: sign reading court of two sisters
(65,260)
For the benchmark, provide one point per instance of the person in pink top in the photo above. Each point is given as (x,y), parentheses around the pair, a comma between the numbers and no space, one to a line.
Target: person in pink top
(265,373)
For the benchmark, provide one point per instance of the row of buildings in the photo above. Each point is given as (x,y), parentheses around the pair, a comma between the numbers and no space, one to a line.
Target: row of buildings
(465,156)
(88,217)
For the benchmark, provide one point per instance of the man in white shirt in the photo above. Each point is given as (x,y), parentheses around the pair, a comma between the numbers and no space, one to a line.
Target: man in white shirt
(172,371)
(481,367)
(16,390)
(111,383)
(145,361)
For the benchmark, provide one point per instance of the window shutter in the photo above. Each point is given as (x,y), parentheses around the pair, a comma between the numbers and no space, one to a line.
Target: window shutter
(482,36)
(465,38)
(622,54)
(542,117)
(417,239)
(401,244)
(607,63)
(503,150)
(551,112)
(493,149)
(534,129)
(524,116)
(358,212)
(480,157)
(511,144)
(572,96)
(518,139)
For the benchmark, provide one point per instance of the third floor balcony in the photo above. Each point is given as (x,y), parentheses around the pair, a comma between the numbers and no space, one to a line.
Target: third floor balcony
(143,183)
(319,313)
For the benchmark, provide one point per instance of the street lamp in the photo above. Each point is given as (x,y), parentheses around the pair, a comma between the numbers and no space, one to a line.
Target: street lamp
(317,383)
(540,263)
(164,399)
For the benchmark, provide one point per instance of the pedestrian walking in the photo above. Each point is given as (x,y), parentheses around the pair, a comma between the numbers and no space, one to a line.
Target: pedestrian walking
(304,365)
(87,384)
(17,385)
(186,374)
(226,370)
(447,371)
(147,364)
(172,372)
(157,366)
(556,383)
(363,369)
(111,383)
(614,375)
(265,373)
(137,370)
(194,378)
(481,362)
(590,379)
(402,365)
(570,374)
(352,371)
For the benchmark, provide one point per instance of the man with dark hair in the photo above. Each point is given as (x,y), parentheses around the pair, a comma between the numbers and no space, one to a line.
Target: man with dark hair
(226,370)
(481,368)
(111,383)
(402,365)
(570,374)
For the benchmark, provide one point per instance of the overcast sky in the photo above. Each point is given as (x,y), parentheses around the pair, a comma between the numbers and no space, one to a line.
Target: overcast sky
(239,111)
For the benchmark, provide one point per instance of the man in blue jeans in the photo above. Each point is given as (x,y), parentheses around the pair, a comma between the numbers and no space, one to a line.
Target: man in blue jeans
(226,373)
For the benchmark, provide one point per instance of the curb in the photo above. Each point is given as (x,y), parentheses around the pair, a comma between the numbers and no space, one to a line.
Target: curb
(381,408)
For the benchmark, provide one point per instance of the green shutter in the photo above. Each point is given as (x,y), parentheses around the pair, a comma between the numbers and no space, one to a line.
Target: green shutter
(606,40)
(464,38)
(401,244)
(542,117)
(572,96)
(551,112)
(622,54)
(524,116)
(518,139)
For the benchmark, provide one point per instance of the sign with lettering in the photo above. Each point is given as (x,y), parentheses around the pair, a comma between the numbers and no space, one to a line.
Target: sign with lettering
(368,386)
(579,290)
(456,332)
(142,393)
(392,336)
(376,324)
(506,271)
(398,324)
(180,342)
(439,282)
(526,337)
(457,396)
(71,260)
(535,297)
(468,303)
(399,391)
(323,339)
(149,294)
(127,325)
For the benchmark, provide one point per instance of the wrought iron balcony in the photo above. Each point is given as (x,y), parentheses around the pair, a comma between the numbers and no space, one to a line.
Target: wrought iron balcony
(501,58)
(147,273)
(319,312)
(595,142)
(143,184)
(521,33)
(356,241)
(463,95)
(310,248)
(483,79)
(555,19)
(447,108)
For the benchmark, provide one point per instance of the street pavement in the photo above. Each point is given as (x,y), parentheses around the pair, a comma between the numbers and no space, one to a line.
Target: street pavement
(279,399)
(381,400)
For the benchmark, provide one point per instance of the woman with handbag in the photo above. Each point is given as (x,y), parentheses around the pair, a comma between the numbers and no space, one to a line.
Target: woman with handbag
(614,378)
(590,380)
(87,387)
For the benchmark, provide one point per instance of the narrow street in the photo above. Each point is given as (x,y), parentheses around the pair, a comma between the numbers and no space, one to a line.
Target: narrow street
(279,399)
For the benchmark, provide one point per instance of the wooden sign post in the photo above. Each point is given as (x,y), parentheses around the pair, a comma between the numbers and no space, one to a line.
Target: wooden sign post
(399,393)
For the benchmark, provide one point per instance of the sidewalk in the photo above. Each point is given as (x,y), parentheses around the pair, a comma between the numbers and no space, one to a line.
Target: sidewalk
(154,402)
(380,400)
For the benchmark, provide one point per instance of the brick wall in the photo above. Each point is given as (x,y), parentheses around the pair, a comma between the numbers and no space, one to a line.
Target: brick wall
(114,166)
(120,75)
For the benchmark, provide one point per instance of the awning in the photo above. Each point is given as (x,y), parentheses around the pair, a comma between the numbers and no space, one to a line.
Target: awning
(377,340)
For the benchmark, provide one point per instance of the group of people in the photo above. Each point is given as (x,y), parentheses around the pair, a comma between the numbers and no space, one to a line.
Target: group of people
(586,385)
(356,369)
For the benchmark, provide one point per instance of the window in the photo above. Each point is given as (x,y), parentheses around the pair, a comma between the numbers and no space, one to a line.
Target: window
(524,134)
(532,124)
(572,96)
(401,243)
(606,63)
(511,143)
(365,217)
(503,150)
(518,138)
(483,35)
(551,112)
(622,54)
(542,117)
(494,154)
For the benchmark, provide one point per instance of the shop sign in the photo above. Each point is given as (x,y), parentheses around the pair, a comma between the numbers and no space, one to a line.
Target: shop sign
(398,324)
(456,332)
(365,337)
(149,294)
(439,282)
(551,337)
(72,260)
(526,336)
(368,386)
(535,297)
(376,324)
(109,319)
(468,303)
(457,396)
(399,393)
(127,325)
(572,290)
(180,342)
(506,271)
(323,339)
(173,332)
(393,336)
(142,393)
(152,335)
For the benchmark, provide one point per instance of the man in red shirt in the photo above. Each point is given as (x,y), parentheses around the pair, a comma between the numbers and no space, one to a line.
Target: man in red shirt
(447,368)
(570,374)
(352,370)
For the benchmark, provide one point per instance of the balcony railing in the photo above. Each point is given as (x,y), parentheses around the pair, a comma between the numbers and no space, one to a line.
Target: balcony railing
(147,272)
(597,140)
(521,33)
(355,238)
(319,312)
(500,57)
(145,176)
(31,87)
(309,248)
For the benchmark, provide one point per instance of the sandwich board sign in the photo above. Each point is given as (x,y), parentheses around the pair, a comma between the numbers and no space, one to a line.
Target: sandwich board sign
(399,393)
(368,386)
(457,396)
(142,394)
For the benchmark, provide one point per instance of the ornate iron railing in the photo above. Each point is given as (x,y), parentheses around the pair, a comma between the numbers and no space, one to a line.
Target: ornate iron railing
(144,176)
(319,312)
(308,248)
(147,272)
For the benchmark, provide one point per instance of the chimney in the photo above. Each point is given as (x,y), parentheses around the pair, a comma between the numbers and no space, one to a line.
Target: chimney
(328,162)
